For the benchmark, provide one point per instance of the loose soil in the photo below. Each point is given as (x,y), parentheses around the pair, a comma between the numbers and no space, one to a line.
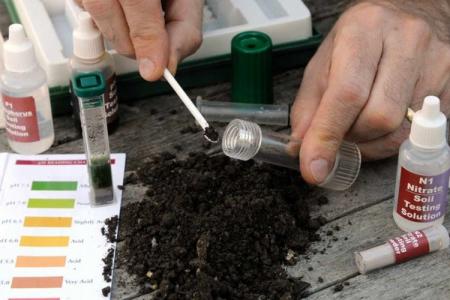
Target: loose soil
(211,228)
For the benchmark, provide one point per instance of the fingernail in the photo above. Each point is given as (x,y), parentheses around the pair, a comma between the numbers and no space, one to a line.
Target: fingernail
(320,169)
(146,68)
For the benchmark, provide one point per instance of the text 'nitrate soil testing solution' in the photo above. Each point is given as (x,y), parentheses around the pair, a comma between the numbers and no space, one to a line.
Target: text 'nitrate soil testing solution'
(423,170)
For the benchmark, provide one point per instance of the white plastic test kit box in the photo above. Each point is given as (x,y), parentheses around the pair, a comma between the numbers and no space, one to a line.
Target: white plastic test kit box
(49,24)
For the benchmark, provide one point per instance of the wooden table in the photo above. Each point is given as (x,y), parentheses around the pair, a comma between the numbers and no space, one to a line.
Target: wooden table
(363,214)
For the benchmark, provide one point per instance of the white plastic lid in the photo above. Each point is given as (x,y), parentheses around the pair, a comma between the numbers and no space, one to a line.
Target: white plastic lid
(429,125)
(374,258)
(438,237)
(18,52)
(87,40)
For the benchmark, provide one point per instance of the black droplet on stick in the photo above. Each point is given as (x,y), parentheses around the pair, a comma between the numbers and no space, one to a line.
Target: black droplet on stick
(211,134)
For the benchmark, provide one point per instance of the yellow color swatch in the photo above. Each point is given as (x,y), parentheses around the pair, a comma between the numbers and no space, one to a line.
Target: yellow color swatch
(44,241)
(47,222)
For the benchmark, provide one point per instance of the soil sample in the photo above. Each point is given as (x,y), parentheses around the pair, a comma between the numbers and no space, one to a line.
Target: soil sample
(100,169)
(212,228)
(101,180)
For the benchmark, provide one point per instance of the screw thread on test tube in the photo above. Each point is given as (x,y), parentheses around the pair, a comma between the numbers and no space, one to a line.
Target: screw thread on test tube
(245,140)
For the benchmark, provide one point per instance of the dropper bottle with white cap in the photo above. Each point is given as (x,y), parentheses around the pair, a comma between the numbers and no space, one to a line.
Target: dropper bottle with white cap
(423,170)
(26,99)
(90,55)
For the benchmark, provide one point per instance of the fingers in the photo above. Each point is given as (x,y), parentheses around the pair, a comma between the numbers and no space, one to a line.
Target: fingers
(109,18)
(184,26)
(313,85)
(148,35)
(353,67)
(387,145)
(392,92)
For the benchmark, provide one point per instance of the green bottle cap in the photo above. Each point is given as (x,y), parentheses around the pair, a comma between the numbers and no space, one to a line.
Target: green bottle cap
(89,84)
(251,53)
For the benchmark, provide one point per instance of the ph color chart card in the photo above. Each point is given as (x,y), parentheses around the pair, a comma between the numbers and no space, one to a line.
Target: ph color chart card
(51,244)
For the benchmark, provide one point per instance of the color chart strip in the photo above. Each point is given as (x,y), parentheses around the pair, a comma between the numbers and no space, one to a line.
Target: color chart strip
(54,186)
(47,222)
(51,203)
(44,241)
(36,282)
(40,261)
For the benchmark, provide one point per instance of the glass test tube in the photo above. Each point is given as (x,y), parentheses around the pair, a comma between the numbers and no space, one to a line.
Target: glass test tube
(245,140)
(90,88)
(264,114)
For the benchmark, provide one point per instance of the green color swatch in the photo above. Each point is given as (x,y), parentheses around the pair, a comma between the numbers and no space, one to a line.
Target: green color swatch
(54,186)
(51,203)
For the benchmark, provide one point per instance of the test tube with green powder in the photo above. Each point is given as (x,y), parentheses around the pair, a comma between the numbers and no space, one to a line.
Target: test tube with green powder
(89,89)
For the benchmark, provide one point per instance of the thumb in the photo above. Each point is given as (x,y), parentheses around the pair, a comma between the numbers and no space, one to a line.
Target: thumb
(148,35)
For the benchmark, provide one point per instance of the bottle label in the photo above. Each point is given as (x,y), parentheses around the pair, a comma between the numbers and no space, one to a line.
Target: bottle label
(409,245)
(21,119)
(111,99)
(422,199)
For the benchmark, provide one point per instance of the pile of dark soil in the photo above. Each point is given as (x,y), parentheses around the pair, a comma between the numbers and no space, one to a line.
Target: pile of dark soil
(211,228)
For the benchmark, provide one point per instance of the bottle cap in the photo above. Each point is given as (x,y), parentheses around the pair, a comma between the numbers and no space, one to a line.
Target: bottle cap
(429,125)
(251,54)
(18,52)
(87,85)
(374,258)
(87,40)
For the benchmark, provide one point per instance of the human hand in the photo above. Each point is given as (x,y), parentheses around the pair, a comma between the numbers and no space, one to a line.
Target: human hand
(140,29)
(377,61)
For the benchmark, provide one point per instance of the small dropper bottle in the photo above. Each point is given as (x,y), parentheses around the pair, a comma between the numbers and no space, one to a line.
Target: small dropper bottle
(26,99)
(246,140)
(423,170)
(90,55)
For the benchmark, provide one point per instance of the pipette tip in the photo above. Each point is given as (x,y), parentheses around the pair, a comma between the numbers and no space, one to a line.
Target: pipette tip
(211,134)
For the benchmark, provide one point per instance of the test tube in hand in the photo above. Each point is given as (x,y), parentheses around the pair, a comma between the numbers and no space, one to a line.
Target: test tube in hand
(246,140)
(90,88)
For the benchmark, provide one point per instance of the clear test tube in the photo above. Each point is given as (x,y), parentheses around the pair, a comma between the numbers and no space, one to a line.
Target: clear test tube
(246,140)
(90,88)
(403,248)
(264,114)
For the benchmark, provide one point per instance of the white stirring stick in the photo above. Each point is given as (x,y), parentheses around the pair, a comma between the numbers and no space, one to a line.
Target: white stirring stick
(190,106)
(186,100)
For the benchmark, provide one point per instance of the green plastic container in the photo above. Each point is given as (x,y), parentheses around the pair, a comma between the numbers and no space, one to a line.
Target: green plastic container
(251,54)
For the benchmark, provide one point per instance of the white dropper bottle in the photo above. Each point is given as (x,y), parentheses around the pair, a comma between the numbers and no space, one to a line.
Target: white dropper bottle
(26,99)
(90,55)
(423,170)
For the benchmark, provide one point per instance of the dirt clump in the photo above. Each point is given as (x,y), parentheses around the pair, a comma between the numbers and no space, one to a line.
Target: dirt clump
(212,228)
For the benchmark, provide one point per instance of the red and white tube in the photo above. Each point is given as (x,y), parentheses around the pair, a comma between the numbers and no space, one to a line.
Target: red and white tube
(403,248)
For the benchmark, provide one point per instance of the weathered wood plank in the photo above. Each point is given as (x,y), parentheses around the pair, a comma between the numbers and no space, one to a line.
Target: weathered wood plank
(360,231)
(425,278)
(374,184)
